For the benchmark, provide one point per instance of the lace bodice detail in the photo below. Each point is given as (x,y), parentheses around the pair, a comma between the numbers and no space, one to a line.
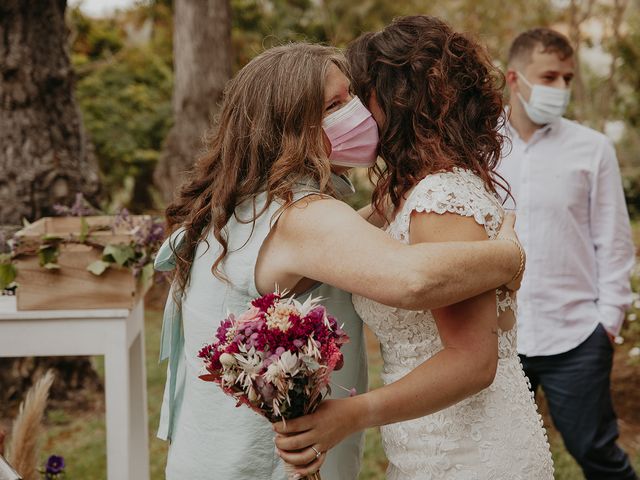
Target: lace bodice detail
(496,434)
(460,191)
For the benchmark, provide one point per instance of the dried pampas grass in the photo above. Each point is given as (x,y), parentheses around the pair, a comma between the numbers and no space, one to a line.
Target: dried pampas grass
(22,450)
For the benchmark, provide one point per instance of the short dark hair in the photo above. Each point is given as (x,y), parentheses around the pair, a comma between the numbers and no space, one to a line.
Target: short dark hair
(550,40)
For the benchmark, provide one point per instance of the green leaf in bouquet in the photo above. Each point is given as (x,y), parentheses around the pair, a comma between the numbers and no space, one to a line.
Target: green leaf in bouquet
(7,273)
(47,255)
(119,253)
(98,267)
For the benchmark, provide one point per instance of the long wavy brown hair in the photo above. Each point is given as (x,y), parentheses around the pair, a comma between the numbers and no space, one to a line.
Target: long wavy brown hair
(442,101)
(267,138)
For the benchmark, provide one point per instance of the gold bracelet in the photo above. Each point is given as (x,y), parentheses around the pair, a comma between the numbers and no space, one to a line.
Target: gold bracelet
(522,257)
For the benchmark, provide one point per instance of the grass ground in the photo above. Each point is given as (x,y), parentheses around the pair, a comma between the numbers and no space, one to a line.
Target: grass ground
(80,437)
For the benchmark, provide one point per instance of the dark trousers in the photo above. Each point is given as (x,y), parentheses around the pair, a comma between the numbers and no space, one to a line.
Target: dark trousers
(576,385)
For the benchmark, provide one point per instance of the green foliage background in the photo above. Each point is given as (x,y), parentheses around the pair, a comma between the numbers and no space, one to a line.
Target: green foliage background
(124,69)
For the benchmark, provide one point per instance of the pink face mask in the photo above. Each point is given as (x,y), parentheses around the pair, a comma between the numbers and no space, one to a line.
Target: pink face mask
(353,134)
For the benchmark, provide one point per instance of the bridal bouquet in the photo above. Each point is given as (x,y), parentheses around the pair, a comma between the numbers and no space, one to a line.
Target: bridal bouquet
(276,357)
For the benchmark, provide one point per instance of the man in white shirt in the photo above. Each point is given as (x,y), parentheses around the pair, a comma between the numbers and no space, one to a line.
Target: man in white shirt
(574,226)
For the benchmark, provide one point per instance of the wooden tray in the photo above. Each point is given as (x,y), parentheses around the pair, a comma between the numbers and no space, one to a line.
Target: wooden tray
(72,286)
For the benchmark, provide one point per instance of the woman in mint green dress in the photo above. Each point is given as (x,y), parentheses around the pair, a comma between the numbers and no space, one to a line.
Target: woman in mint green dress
(263,208)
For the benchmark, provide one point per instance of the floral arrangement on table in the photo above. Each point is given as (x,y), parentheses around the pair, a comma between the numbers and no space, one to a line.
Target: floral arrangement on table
(276,357)
(137,255)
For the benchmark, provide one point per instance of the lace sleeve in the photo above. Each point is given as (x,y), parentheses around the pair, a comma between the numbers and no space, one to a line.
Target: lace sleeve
(461,192)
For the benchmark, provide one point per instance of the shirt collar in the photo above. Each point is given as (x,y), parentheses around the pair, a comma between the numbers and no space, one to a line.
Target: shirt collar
(342,186)
(540,132)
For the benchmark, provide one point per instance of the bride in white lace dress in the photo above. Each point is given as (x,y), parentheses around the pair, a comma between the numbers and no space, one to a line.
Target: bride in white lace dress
(456,404)
(495,434)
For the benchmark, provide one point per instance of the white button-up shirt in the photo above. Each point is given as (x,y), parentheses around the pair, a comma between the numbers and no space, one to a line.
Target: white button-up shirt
(573,223)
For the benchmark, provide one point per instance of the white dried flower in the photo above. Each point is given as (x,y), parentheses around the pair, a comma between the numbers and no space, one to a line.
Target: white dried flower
(274,373)
(229,377)
(289,363)
(308,305)
(227,360)
(312,348)
(278,316)
(632,317)
(634,352)
(619,340)
(251,363)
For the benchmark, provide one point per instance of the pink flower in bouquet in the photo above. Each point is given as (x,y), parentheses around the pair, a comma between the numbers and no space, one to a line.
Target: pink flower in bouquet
(250,315)
(276,357)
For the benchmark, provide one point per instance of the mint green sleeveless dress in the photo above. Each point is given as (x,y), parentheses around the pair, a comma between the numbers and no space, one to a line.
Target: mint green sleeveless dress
(210,438)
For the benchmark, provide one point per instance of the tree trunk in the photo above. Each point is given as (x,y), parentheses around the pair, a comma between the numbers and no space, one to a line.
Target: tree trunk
(44,155)
(202,66)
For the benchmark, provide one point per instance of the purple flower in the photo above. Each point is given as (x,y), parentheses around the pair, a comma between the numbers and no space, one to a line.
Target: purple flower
(123,219)
(54,465)
(80,208)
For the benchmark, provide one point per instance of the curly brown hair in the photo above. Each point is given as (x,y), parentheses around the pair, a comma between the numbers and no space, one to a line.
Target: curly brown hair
(268,138)
(442,101)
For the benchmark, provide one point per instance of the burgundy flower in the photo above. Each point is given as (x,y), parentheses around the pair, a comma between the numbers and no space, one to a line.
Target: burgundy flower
(265,302)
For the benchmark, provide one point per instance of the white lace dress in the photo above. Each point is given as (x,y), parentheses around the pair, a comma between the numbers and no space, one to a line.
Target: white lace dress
(496,434)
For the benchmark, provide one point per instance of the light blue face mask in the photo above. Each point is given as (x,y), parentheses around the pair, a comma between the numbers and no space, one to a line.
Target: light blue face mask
(546,104)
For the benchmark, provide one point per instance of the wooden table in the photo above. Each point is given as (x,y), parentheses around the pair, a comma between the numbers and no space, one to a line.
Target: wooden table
(118,334)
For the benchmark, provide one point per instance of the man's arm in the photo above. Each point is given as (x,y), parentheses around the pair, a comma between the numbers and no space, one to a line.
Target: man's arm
(611,235)
(326,240)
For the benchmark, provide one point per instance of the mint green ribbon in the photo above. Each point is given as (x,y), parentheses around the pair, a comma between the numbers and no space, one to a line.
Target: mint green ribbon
(172,337)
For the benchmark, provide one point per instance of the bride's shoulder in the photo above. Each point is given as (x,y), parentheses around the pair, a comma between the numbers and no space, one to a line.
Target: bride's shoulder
(456,177)
(457,191)
(458,185)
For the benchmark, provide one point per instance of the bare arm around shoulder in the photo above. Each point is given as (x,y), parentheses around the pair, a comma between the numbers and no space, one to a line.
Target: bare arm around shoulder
(372,216)
(326,240)
(466,364)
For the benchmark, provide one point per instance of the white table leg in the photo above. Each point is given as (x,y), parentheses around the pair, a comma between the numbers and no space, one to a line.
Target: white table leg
(118,334)
(139,459)
(117,396)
